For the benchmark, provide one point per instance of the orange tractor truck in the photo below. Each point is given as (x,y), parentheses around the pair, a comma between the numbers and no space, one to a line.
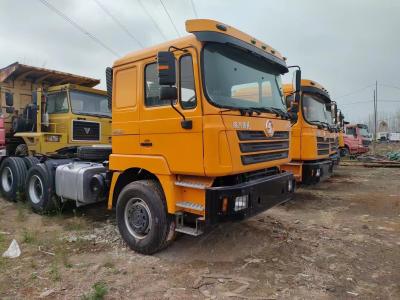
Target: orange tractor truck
(313,141)
(186,152)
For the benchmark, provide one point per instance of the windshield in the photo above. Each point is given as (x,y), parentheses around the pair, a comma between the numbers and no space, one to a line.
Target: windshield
(364,132)
(89,103)
(328,116)
(315,110)
(236,79)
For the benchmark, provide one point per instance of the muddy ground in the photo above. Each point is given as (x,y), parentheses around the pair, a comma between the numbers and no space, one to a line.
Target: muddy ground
(340,239)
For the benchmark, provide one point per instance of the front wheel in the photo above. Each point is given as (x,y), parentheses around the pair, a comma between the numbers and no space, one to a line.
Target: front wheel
(142,217)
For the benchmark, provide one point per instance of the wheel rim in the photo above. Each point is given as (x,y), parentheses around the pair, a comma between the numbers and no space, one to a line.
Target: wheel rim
(138,218)
(35,189)
(7,179)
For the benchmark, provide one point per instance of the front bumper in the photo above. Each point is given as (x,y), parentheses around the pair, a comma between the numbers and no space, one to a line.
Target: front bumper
(262,194)
(314,172)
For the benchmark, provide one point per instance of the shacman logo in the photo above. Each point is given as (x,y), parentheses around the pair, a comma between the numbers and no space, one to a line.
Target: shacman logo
(87,130)
(241,125)
(269,128)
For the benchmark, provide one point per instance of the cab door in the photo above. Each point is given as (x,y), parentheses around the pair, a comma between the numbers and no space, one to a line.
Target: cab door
(161,132)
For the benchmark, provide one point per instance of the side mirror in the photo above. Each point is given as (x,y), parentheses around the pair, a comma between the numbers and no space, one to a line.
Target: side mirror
(166,68)
(9,109)
(297,88)
(9,99)
(168,93)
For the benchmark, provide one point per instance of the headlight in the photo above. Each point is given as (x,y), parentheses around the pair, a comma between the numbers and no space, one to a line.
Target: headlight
(241,202)
(318,173)
(52,138)
(290,186)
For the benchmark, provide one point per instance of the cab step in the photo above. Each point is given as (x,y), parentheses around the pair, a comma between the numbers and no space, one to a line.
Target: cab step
(190,205)
(181,227)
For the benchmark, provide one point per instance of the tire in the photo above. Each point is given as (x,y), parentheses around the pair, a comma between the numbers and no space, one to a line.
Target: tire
(30,161)
(345,152)
(40,191)
(150,229)
(21,150)
(94,153)
(12,177)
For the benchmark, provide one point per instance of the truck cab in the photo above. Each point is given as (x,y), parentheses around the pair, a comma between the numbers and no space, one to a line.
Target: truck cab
(313,138)
(356,139)
(182,133)
(67,116)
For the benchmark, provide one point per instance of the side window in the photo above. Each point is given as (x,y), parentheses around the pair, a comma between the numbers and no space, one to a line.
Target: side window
(57,103)
(152,88)
(350,131)
(187,87)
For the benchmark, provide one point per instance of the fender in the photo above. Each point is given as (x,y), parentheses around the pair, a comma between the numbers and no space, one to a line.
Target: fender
(153,164)
(157,165)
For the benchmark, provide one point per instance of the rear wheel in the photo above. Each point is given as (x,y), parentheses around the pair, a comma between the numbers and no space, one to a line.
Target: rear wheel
(39,190)
(142,217)
(30,161)
(12,177)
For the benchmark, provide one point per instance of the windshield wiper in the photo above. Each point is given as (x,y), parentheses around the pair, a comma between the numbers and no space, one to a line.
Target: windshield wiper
(244,110)
(95,115)
(277,111)
(320,123)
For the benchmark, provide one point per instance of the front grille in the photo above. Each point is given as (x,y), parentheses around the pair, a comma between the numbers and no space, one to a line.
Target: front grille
(263,146)
(323,145)
(250,135)
(258,158)
(323,152)
(85,131)
(366,142)
(259,143)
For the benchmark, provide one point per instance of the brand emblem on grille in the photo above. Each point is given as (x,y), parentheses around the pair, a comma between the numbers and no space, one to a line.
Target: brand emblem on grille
(87,130)
(269,128)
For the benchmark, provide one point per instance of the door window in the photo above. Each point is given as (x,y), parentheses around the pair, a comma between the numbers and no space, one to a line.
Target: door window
(187,88)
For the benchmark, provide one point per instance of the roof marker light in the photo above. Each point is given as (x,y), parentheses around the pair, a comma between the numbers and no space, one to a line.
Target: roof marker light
(221,27)
(253,42)
(263,47)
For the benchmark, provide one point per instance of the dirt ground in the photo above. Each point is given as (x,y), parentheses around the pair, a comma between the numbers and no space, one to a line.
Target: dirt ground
(340,239)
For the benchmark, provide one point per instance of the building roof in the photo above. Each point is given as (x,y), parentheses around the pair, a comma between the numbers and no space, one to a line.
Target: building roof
(17,71)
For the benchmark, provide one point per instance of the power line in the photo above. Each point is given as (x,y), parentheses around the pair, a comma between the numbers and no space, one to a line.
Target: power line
(356,91)
(194,9)
(390,86)
(170,19)
(153,20)
(367,101)
(122,26)
(77,26)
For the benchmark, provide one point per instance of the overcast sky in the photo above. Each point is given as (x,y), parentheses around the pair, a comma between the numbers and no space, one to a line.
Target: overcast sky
(346,45)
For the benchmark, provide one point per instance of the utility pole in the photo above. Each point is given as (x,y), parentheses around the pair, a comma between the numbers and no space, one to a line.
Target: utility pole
(375,125)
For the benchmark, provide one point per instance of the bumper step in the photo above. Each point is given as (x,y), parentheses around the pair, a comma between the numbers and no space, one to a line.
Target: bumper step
(190,205)
(180,227)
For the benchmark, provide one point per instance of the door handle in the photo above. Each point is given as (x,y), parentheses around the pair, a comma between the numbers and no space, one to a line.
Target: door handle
(146,144)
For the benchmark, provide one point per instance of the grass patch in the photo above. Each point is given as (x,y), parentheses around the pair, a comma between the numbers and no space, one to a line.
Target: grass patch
(29,237)
(75,225)
(55,272)
(21,211)
(99,290)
